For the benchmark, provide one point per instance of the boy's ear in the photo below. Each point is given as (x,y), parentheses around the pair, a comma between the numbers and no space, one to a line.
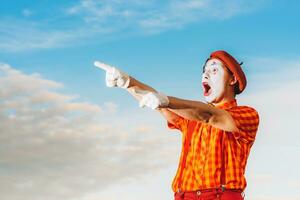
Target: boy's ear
(233,80)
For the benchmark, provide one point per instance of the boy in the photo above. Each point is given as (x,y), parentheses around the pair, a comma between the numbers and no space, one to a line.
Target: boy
(217,135)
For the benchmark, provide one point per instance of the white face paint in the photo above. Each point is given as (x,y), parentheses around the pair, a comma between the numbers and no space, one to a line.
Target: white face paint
(213,81)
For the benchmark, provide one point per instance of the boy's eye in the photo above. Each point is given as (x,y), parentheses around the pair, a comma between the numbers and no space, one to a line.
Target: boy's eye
(215,70)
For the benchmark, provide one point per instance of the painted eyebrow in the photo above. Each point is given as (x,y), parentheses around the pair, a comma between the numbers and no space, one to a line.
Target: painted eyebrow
(213,63)
(204,68)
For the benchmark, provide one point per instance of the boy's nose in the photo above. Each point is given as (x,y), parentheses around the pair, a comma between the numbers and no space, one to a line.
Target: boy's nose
(205,75)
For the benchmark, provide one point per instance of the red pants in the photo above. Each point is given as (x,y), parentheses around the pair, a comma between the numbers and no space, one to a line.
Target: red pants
(213,195)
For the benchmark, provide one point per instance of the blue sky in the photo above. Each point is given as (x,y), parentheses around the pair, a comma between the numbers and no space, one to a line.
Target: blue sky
(59,100)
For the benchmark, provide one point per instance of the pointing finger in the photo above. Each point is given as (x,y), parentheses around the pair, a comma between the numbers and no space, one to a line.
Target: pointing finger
(103,66)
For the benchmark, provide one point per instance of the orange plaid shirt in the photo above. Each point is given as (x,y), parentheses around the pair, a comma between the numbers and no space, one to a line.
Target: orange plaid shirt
(203,166)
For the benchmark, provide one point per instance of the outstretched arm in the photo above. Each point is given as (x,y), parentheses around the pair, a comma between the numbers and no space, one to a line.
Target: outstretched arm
(117,78)
(193,110)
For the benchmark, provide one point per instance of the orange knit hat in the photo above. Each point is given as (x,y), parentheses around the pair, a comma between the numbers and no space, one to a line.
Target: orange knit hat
(231,63)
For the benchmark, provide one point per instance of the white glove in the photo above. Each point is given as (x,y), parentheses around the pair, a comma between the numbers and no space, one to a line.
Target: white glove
(114,77)
(154,100)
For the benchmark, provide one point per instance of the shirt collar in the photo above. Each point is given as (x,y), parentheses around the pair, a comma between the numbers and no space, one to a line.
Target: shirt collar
(227,104)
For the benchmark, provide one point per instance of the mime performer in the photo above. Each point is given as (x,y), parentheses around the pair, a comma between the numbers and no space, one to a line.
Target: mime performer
(217,135)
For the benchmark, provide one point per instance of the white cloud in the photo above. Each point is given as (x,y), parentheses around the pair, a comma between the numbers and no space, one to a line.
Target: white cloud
(54,147)
(148,17)
(111,107)
(107,19)
(18,35)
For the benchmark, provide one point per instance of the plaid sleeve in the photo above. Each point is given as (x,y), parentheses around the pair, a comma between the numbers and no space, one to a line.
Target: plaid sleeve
(247,120)
(180,123)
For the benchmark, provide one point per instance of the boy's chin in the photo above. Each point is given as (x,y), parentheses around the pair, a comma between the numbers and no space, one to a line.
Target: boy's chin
(209,99)
(212,99)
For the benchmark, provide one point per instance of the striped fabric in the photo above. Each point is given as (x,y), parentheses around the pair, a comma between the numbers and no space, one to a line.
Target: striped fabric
(204,157)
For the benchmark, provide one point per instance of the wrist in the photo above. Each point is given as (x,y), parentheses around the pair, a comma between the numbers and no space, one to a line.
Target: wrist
(127,82)
(164,100)
(131,82)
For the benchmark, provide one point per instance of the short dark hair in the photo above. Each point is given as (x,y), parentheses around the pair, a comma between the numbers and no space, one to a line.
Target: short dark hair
(203,68)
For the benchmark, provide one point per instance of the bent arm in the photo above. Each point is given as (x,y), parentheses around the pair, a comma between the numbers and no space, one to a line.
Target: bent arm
(192,110)
(199,111)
